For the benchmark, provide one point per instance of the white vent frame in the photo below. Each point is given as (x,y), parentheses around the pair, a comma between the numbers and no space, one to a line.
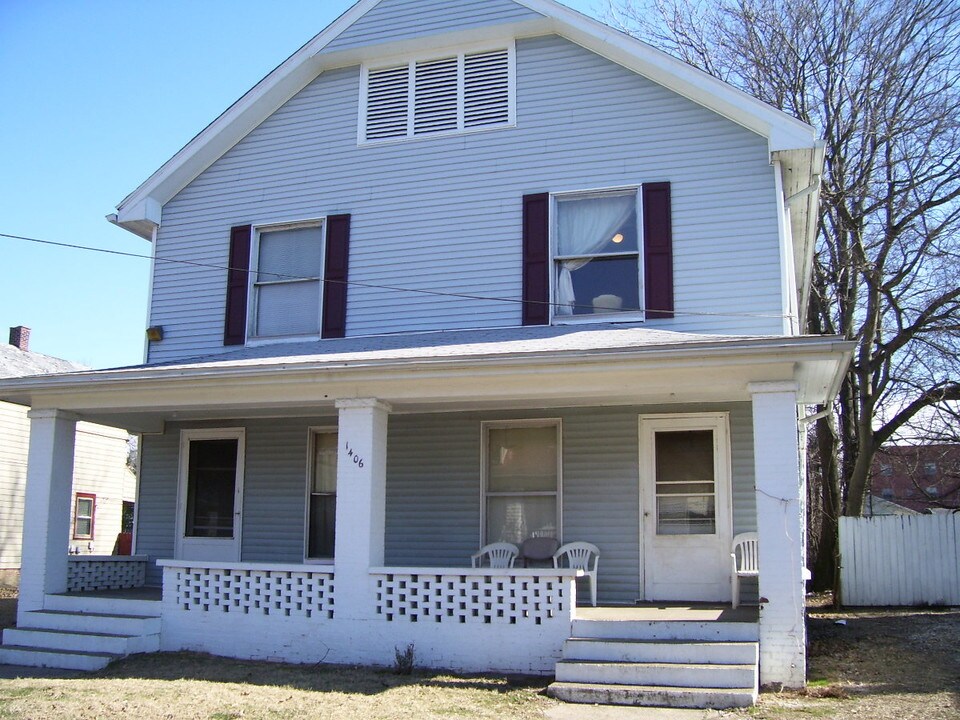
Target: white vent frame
(463,125)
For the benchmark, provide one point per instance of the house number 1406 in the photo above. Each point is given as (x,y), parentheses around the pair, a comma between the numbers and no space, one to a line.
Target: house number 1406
(357,460)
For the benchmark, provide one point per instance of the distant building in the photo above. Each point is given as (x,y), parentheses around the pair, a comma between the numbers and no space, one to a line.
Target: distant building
(919,477)
(102,482)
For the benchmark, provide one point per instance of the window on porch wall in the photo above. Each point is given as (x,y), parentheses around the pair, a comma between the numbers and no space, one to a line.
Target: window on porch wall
(522,480)
(686,486)
(321,530)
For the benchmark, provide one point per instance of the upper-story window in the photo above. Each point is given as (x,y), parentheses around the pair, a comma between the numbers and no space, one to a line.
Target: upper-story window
(453,93)
(286,283)
(597,254)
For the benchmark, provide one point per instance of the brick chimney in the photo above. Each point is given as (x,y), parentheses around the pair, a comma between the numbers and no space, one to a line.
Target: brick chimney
(20,337)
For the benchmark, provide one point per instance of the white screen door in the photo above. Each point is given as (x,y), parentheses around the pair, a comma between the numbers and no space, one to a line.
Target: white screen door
(210,494)
(685,507)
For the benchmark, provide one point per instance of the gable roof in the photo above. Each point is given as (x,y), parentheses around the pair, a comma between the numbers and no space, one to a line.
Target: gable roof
(140,212)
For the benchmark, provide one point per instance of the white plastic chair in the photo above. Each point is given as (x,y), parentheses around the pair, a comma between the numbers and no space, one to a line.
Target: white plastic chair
(746,561)
(581,556)
(498,554)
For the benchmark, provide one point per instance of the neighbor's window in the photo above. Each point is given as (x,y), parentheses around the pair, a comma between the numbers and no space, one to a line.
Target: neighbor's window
(447,94)
(84,509)
(286,282)
(686,483)
(597,254)
(522,481)
(321,531)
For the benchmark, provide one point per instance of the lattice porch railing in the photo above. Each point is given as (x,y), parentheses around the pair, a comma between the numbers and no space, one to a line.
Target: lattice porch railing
(514,596)
(105,572)
(249,589)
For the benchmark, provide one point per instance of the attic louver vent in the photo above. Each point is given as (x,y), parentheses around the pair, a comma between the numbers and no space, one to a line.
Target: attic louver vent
(438,96)
(387,103)
(486,89)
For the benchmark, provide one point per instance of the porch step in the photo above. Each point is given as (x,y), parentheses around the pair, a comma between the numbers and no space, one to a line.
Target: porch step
(110,643)
(693,630)
(687,675)
(70,620)
(665,651)
(51,658)
(77,639)
(102,605)
(652,696)
(669,663)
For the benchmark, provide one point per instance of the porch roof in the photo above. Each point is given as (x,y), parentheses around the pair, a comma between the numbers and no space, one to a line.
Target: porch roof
(468,369)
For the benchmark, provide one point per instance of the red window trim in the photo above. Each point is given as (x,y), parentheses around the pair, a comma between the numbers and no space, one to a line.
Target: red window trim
(93,515)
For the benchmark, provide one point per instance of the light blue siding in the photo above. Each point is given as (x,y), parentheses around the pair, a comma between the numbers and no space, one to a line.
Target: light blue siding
(434,487)
(444,214)
(407,19)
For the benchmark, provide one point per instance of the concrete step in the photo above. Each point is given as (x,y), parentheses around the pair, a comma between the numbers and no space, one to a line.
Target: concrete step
(664,651)
(43,657)
(685,675)
(72,621)
(110,643)
(102,605)
(647,696)
(702,631)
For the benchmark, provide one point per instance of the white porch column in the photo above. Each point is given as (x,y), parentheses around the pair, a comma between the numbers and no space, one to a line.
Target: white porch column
(46,516)
(780,524)
(361,504)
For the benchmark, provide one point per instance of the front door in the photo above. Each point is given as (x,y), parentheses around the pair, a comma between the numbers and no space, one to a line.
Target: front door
(685,507)
(210,495)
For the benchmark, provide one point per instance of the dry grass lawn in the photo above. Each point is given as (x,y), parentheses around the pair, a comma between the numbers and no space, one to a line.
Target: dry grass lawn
(886,664)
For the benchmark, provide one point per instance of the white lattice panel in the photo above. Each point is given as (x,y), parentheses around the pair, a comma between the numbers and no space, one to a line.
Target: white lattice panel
(470,598)
(110,573)
(265,592)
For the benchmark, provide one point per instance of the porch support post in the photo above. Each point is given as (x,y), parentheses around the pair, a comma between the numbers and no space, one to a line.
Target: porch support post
(780,525)
(46,516)
(361,504)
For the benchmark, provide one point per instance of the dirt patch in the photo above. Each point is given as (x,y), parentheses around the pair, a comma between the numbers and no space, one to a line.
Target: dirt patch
(882,664)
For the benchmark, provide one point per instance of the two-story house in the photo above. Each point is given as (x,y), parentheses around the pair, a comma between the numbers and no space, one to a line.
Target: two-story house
(456,274)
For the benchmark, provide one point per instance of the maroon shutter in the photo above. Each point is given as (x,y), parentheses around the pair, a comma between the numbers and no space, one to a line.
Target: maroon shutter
(335,277)
(536,259)
(657,251)
(235,322)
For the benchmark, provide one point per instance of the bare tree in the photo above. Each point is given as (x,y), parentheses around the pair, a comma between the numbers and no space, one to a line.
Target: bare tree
(879,79)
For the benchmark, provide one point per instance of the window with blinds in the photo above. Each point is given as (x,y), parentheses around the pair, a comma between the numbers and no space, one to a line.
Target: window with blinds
(440,95)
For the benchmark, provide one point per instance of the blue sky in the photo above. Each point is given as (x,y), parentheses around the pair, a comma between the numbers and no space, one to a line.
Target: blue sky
(95,96)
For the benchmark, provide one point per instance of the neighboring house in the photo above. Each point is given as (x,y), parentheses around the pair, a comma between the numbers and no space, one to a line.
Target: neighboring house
(463,273)
(102,482)
(878,505)
(919,477)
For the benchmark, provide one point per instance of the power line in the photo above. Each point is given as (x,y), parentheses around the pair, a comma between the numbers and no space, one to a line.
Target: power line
(436,293)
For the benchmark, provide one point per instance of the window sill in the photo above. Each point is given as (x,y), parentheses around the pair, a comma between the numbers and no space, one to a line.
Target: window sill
(594,318)
(363,143)
(258,342)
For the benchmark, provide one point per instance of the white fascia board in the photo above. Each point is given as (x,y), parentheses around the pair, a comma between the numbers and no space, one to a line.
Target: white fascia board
(119,389)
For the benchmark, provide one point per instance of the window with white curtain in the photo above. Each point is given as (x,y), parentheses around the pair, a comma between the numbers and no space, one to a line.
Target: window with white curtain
(596,253)
(522,480)
(286,281)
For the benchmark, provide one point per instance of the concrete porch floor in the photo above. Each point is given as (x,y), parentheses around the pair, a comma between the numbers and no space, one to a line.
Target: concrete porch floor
(140,593)
(670,612)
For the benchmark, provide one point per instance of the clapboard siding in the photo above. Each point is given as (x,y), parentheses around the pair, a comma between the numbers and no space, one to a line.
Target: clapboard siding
(444,214)
(406,19)
(434,487)
(157,498)
(14,442)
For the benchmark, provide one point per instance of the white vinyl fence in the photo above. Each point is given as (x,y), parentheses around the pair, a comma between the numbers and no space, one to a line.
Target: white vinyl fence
(900,560)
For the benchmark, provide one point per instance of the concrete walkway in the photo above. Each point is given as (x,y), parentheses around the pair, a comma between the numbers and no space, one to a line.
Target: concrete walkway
(573,711)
